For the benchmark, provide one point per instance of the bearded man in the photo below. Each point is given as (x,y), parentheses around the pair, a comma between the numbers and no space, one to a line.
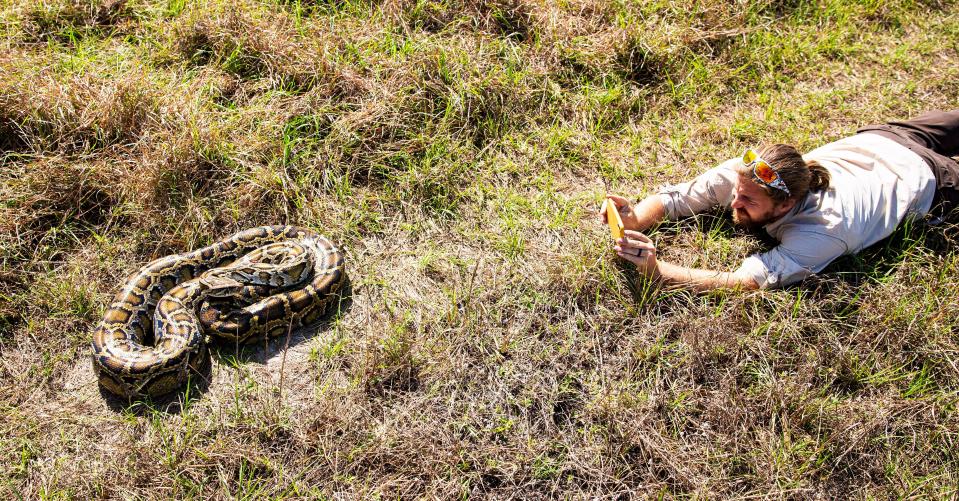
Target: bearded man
(836,200)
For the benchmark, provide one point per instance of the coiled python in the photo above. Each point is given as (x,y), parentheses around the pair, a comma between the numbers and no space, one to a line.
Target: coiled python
(258,283)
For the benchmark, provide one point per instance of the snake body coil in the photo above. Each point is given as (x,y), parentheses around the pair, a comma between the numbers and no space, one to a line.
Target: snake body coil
(262,282)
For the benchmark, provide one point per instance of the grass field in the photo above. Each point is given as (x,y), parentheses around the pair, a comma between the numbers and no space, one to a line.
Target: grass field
(491,346)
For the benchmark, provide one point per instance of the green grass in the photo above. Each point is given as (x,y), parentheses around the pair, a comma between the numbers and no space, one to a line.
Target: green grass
(492,346)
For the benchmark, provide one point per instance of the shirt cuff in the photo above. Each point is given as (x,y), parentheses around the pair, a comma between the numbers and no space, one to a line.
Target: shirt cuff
(668,195)
(754,268)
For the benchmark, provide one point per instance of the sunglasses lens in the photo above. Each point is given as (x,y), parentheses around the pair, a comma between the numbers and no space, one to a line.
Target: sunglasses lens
(765,172)
(749,157)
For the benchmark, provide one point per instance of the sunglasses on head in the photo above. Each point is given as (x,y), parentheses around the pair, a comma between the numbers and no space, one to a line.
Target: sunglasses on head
(763,172)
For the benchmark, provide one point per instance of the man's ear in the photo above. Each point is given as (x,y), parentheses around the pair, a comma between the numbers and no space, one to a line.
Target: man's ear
(785,207)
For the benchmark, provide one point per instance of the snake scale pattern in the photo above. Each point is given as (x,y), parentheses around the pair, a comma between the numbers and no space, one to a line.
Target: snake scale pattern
(259,283)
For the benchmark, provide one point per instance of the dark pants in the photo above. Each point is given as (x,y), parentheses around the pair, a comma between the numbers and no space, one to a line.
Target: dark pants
(934,137)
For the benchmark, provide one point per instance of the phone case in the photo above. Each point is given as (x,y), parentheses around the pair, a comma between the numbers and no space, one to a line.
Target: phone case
(615,222)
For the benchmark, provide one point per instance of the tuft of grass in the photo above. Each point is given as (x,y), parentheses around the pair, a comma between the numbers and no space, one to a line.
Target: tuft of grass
(70,21)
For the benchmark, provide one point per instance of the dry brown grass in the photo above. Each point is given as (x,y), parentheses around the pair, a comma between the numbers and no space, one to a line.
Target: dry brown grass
(490,346)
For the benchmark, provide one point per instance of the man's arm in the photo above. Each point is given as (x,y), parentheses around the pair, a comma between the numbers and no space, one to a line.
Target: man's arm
(639,250)
(702,280)
(712,188)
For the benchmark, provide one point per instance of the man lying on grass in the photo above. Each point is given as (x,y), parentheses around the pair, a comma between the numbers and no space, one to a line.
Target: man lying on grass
(838,199)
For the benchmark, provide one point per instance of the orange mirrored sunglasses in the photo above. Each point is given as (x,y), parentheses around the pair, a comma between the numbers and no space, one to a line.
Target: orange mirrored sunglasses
(763,172)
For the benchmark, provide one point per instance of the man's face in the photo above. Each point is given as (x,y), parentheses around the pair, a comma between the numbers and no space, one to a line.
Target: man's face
(753,208)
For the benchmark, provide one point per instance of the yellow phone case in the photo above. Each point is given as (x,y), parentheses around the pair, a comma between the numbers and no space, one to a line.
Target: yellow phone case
(615,222)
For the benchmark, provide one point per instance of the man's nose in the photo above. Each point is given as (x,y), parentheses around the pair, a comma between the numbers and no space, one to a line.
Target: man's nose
(737,203)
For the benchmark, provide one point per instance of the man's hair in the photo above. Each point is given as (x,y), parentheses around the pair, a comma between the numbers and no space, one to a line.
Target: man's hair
(800,176)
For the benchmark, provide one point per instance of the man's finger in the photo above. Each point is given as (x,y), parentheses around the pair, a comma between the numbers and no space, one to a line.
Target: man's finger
(631,247)
(635,242)
(602,211)
(632,257)
(635,235)
(618,200)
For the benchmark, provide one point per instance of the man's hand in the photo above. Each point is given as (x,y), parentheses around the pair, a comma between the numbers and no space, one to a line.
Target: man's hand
(640,217)
(639,250)
(625,210)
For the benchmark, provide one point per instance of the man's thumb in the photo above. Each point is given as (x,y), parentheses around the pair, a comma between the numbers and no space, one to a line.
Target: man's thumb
(618,200)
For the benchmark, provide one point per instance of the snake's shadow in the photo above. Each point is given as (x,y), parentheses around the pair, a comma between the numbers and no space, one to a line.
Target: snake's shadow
(229,354)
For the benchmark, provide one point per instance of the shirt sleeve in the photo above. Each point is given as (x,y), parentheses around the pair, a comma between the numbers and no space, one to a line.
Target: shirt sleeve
(709,189)
(800,254)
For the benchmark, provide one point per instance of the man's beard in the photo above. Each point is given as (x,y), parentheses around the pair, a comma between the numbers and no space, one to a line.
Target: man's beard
(741,218)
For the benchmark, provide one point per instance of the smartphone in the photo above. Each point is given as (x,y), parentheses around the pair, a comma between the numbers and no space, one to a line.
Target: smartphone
(615,222)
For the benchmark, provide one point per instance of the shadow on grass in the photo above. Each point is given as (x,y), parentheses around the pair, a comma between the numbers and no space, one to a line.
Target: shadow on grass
(717,224)
(838,289)
(880,260)
(914,238)
(231,354)
(913,241)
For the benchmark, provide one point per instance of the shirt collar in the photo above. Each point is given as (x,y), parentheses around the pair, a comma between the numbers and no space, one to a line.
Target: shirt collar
(798,207)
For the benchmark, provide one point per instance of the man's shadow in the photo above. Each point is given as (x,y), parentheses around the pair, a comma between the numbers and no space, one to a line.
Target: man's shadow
(717,224)
(884,257)
(232,354)
(838,288)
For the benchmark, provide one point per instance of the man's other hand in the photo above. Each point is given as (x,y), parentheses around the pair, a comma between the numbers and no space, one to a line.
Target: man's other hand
(639,250)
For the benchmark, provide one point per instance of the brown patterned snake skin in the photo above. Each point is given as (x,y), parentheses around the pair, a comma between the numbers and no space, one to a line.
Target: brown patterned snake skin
(262,282)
